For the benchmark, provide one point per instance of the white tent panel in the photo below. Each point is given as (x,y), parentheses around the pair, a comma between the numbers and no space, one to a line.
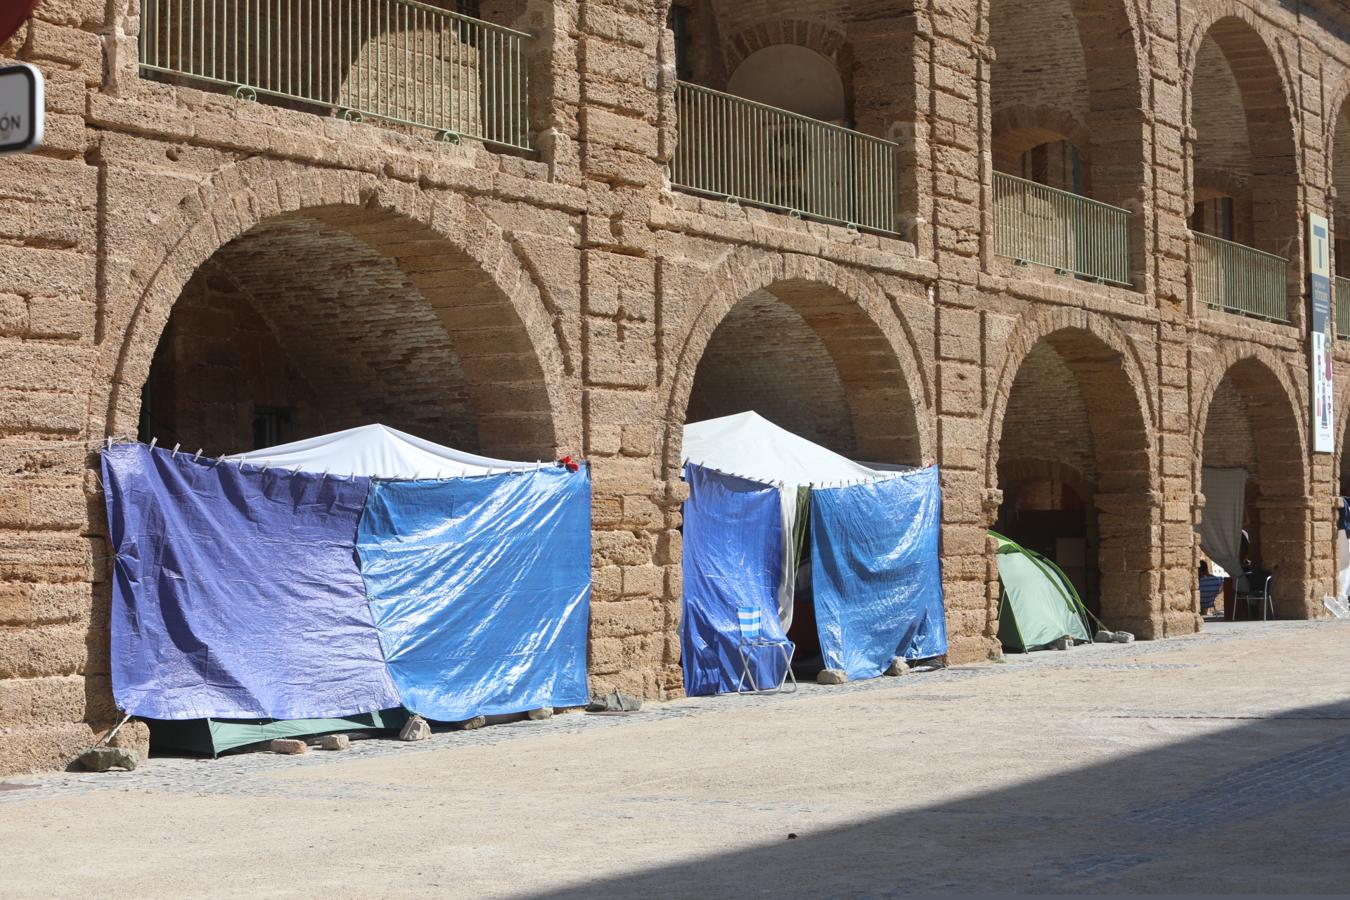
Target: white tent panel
(377,451)
(749,445)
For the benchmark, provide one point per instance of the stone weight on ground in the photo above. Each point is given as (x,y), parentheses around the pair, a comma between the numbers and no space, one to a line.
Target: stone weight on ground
(832,676)
(416,729)
(102,759)
(289,747)
(335,742)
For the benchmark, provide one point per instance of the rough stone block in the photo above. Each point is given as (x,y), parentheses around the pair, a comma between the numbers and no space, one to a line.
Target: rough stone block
(335,742)
(416,729)
(103,759)
(289,747)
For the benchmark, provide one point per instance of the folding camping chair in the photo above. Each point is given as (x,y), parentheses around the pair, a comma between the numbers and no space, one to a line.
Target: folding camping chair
(1254,587)
(751,621)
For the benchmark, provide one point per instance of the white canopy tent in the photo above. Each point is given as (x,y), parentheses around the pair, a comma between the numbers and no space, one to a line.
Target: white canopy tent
(749,446)
(377,451)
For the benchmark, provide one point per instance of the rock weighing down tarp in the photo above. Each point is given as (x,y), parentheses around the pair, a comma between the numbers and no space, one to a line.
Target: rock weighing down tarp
(873,549)
(238,592)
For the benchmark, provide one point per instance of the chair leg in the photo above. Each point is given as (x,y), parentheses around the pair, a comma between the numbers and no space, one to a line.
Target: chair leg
(745,673)
(787,671)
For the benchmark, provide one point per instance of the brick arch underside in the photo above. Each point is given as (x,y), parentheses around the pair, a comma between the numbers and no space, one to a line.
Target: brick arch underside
(1045,84)
(1245,135)
(353,316)
(1250,423)
(805,356)
(1069,412)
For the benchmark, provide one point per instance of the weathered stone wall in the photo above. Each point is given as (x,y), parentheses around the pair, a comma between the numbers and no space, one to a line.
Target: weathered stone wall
(567,300)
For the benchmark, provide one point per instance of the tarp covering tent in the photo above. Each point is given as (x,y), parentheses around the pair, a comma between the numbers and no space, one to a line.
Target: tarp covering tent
(873,550)
(239,592)
(1039,604)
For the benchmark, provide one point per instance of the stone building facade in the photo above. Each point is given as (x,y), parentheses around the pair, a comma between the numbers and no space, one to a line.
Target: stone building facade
(220,271)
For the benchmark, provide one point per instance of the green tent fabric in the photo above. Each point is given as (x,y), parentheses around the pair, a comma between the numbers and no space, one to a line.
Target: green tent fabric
(1040,604)
(212,737)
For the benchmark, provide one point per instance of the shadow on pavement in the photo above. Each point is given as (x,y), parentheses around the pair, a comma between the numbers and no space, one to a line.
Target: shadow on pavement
(1262,806)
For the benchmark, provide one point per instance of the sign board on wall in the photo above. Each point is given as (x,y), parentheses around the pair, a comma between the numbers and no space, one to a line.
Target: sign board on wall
(22,108)
(1322,335)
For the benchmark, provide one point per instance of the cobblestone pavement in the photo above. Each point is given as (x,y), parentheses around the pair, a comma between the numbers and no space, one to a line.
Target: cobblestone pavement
(1216,763)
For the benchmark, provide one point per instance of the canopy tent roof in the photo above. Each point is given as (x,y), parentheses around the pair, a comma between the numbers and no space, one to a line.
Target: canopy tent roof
(750,446)
(376,451)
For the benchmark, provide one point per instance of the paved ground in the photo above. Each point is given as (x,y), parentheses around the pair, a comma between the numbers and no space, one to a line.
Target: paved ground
(1219,763)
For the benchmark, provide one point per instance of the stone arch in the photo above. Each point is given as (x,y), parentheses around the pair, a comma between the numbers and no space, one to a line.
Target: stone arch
(1109,444)
(1278,464)
(887,393)
(437,245)
(1265,153)
(1106,107)
(821,37)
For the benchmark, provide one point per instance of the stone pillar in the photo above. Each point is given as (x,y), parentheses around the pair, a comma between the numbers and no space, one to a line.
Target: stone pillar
(1177,450)
(890,81)
(627,71)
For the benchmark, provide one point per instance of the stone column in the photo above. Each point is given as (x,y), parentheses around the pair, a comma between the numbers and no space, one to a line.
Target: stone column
(626,72)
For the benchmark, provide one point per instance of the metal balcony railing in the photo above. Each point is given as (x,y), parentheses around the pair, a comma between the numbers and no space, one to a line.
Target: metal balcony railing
(746,151)
(1240,279)
(1342,300)
(394,60)
(1071,233)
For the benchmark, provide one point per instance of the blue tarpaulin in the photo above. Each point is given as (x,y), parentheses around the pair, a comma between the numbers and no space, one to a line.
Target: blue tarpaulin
(733,559)
(236,593)
(876,575)
(480,589)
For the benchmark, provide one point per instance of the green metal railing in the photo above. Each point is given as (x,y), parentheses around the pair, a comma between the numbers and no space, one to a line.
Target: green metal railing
(1071,233)
(748,152)
(1240,279)
(394,60)
(1342,300)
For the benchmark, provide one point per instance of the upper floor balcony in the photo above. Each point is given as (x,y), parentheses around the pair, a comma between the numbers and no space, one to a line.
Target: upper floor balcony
(753,153)
(398,61)
(1075,235)
(1241,279)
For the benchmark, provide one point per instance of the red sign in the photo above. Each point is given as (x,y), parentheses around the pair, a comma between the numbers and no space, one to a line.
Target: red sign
(14,13)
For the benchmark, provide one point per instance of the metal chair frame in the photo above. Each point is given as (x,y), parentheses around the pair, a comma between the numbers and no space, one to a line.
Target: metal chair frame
(755,641)
(1260,595)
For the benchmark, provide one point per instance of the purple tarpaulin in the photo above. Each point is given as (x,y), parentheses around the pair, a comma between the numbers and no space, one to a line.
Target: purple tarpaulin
(236,592)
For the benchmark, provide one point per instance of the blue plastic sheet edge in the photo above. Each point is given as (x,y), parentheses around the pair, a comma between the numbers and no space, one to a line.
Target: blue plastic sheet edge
(480,589)
(877,572)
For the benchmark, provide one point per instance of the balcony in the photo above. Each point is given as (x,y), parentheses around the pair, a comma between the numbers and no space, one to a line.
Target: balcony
(394,61)
(1342,298)
(751,153)
(1241,280)
(1035,224)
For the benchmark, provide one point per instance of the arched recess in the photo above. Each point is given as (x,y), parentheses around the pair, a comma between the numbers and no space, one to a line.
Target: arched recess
(1250,418)
(359,299)
(1072,420)
(1096,102)
(792,77)
(828,330)
(1339,164)
(1244,160)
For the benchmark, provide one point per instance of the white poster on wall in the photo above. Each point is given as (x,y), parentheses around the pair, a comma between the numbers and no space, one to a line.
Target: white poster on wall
(1322,334)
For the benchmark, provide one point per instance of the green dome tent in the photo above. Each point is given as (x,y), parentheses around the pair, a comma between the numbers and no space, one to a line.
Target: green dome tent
(1040,604)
